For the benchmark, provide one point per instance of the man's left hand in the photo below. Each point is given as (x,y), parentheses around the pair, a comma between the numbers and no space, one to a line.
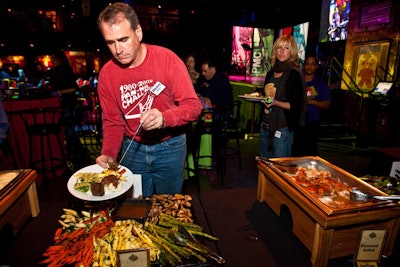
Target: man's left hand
(152,119)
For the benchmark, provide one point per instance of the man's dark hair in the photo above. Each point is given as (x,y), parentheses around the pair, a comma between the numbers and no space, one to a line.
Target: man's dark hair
(112,15)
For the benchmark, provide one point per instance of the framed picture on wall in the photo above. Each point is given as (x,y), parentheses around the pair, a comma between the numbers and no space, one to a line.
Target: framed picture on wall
(369,64)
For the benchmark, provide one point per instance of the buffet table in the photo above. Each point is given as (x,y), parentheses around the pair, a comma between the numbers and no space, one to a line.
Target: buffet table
(117,227)
(327,233)
(19,201)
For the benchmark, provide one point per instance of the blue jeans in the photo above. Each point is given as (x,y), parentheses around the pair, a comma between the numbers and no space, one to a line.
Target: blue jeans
(281,145)
(161,165)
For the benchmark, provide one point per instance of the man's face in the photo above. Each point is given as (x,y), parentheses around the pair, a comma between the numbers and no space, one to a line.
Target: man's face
(208,72)
(122,40)
(310,66)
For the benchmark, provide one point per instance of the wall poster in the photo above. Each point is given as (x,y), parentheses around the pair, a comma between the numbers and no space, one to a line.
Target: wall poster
(369,64)
(251,50)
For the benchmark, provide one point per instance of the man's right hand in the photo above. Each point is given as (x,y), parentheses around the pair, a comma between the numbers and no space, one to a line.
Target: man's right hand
(103,160)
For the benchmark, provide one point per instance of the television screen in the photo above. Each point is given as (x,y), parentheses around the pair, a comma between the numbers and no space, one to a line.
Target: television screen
(242,42)
(251,50)
(382,88)
(334,20)
(300,34)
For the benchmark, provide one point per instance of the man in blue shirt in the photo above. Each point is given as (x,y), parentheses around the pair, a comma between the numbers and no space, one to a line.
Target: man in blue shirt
(319,98)
(214,84)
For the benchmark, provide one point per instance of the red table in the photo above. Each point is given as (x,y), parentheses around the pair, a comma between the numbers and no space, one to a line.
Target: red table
(17,135)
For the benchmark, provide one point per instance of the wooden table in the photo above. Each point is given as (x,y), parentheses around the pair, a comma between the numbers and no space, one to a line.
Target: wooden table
(20,202)
(325,236)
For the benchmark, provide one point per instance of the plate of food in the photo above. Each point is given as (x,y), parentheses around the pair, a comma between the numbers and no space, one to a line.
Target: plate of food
(95,183)
(253,97)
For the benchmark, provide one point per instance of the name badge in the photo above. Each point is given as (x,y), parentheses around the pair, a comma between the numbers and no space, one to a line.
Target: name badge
(157,88)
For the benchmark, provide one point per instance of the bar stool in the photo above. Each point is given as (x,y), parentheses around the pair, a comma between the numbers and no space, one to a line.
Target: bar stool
(232,131)
(191,172)
(212,122)
(46,147)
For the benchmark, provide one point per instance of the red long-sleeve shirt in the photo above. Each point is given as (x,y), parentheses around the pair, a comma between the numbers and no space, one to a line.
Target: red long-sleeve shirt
(124,95)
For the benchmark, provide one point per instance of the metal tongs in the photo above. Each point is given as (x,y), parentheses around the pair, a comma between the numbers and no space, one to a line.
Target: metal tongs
(114,165)
(288,167)
(357,195)
(198,246)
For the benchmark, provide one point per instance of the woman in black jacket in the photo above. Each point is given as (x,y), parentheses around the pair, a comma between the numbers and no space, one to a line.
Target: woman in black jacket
(285,104)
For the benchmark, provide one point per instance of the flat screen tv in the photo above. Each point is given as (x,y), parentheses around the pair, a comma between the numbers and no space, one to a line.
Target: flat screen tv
(382,88)
(334,21)
(251,50)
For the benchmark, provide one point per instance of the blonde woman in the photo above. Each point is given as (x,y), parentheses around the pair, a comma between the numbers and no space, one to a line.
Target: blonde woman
(285,113)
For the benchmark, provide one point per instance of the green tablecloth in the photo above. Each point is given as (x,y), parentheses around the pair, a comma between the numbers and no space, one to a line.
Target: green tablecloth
(246,109)
(205,150)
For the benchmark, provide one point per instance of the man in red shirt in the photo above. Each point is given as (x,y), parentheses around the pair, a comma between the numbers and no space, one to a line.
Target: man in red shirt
(144,89)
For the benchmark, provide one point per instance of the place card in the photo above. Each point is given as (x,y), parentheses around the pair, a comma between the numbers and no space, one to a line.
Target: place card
(370,247)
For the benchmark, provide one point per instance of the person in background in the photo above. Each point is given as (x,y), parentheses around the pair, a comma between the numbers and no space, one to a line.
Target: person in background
(4,126)
(190,61)
(318,98)
(144,89)
(285,113)
(4,74)
(214,84)
(21,76)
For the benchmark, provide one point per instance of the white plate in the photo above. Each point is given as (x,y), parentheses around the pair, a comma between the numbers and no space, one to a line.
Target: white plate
(131,179)
(252,98)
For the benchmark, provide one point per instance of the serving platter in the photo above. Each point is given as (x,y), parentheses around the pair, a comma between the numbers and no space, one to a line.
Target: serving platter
(131,180)
(251,98)
(337,174)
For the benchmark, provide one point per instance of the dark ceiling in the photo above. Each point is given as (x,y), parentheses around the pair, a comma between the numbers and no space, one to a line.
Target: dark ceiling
(264,13)
(202,23)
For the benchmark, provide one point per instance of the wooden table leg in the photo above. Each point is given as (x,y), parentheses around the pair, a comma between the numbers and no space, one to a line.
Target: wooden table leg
(321,246)
(33,200)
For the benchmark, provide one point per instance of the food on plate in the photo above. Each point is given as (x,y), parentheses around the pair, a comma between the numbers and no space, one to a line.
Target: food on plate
(255,94)
(97,189)
(99,184)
